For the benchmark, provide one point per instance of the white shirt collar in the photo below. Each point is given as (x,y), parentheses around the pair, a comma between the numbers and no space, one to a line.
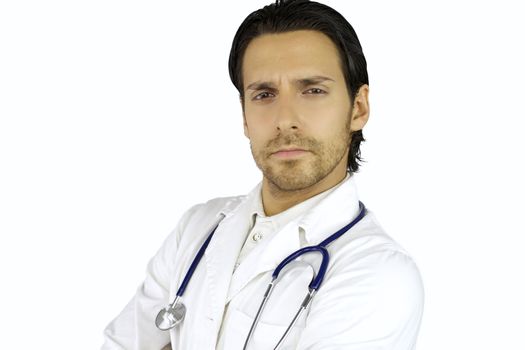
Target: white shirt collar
(297,211)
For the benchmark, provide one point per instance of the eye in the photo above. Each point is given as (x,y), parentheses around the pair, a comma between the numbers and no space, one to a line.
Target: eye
(316,91)
(260,96)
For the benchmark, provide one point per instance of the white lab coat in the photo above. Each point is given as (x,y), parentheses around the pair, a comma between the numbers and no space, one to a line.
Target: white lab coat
(371,297)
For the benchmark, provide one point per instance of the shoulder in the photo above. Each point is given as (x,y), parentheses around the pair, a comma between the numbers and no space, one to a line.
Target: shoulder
(370,252)
(381,275)
(200,216)
(374,286)
(213,207)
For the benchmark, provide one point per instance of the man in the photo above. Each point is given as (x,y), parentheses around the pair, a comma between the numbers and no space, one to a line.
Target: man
(303,86)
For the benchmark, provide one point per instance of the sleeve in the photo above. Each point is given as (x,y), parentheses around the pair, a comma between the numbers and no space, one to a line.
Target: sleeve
(134,328)
(375,303)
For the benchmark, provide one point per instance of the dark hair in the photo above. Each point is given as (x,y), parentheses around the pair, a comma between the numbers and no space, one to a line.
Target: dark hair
(290,15)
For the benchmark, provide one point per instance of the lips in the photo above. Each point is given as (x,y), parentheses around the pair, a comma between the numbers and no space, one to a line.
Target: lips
(289,152)
(288,149)
(292,149)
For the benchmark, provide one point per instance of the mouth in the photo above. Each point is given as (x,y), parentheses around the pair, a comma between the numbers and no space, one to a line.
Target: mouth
(287,153)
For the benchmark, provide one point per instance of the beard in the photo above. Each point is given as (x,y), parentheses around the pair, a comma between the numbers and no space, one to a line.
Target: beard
(299,174)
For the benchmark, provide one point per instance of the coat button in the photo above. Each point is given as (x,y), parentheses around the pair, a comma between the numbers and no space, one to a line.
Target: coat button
(257,236)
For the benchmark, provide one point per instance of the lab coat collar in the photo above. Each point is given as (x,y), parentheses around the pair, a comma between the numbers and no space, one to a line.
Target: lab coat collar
(335,211)
(342,205)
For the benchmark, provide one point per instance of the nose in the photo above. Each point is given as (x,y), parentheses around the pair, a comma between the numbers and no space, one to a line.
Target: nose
(287,116)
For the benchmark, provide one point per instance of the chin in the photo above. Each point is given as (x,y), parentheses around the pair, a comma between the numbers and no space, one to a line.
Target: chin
(292,179)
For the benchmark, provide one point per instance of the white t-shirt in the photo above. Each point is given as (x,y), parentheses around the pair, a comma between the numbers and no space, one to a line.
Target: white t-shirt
(264,227)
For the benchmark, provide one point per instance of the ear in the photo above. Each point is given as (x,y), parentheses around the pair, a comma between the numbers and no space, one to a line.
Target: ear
(361,109)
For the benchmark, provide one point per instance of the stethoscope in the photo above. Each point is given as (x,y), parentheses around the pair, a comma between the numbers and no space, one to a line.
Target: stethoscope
(174,313)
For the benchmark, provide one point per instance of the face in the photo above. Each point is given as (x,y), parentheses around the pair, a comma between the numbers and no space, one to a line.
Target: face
(297,110)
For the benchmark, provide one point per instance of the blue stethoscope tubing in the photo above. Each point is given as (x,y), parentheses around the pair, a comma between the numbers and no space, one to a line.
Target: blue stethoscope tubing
(314,285)
(173,314)
(321,248)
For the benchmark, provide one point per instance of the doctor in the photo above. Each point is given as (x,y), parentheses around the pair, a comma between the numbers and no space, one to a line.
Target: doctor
(303,85)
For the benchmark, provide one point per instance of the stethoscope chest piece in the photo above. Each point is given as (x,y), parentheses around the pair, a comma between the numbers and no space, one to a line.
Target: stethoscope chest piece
(170,316)
(174,313)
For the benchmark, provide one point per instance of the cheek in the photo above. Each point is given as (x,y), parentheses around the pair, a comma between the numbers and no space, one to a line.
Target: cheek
(327,124)
(258,128)
(328,114)
(258,143)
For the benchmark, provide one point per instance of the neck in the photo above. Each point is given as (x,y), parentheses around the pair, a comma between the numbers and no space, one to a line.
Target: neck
(276,200)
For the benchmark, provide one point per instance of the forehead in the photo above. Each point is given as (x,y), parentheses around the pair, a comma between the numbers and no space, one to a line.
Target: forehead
(291,54)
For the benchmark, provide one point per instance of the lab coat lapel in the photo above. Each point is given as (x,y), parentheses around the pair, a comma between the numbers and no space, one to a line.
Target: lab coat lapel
(222,253)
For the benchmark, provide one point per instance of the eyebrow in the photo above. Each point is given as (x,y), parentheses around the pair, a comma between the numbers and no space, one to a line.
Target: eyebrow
(261,85)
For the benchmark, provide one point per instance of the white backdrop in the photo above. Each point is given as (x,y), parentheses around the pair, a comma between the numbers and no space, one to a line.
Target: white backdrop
(116,116)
